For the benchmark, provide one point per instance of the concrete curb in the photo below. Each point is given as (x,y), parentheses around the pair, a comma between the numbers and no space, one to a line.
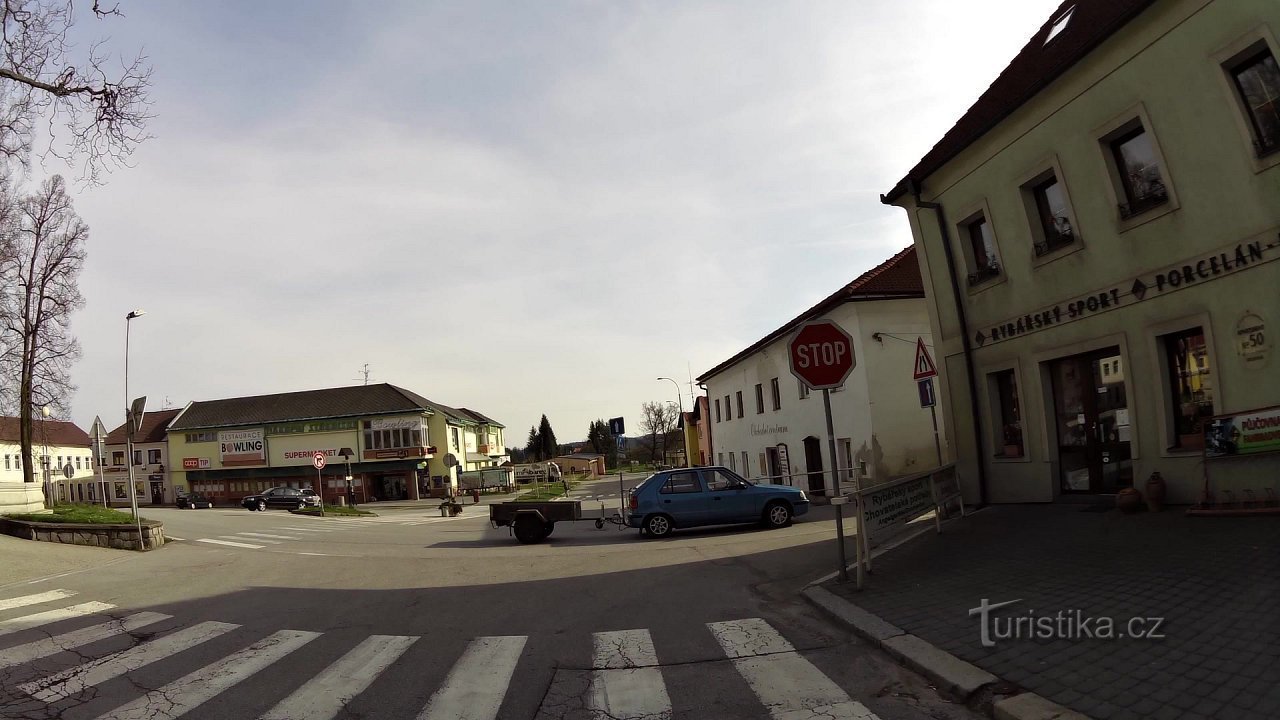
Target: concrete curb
(959,678)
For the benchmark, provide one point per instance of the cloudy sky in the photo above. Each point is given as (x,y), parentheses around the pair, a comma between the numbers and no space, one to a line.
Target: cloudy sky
(521,208)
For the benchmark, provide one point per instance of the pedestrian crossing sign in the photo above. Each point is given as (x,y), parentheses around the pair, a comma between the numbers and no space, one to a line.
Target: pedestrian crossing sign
(924,367)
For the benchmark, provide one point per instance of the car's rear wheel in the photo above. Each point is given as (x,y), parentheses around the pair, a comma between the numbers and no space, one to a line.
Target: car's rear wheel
(777,514)
(658,526)
(262,506)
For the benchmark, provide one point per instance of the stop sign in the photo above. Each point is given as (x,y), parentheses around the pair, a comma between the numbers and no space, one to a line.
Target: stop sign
(821,354)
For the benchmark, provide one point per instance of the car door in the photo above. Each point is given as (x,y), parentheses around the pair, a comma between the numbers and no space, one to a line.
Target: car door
(682,497)
(730,499)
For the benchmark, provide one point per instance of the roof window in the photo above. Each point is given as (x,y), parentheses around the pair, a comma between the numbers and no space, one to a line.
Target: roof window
(1060,24)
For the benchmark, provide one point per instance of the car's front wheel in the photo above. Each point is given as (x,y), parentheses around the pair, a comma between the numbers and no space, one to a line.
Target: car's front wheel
(658,526)
(777,514)
(191,506)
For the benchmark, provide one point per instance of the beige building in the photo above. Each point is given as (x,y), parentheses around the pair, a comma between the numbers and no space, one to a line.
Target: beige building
(1096,235)
(151,477)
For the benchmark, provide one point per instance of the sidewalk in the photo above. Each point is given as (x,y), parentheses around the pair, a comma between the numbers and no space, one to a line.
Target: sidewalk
(1214,582)
(27,560)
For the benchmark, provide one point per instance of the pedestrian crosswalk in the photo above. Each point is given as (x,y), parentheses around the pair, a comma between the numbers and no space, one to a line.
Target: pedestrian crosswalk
(409,519)
(204,664)
(257,540)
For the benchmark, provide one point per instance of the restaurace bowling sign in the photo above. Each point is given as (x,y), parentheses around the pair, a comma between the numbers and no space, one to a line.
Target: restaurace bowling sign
(821,354)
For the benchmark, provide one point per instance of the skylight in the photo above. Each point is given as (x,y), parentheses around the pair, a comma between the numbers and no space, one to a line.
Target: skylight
(1060,24)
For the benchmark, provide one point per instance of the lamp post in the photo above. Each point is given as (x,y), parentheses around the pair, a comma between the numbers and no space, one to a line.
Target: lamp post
(684,432)
(129,423)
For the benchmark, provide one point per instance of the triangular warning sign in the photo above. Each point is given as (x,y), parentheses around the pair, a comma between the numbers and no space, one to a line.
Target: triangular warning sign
(924,367)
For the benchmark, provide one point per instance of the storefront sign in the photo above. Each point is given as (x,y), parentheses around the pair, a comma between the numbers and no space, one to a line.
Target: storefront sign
(1251,340)
(768,429)
(1224,261)
(242,447)
(195,463)
(410,423)
(1246,433)
(311,426)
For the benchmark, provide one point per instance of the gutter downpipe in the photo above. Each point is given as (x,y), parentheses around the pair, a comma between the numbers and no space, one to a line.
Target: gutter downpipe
(914,188)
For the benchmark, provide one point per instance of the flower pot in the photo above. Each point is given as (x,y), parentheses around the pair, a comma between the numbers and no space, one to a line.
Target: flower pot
(1155,492)
(1012,451)
(1128,500)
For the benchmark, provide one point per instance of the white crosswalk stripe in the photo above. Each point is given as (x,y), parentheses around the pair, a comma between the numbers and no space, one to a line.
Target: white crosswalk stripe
(27,622)
(626,676)
(240,538)
(266,535)
(181,695)
(231,543)
(788,685)
(324,696)
(478,682)
(58,643)
(36,599)
(627,681)
(73,680)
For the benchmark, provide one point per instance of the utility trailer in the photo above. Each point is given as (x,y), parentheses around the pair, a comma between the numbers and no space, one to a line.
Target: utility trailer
(532,522)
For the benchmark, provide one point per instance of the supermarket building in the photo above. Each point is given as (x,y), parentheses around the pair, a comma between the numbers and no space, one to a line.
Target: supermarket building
(393,443)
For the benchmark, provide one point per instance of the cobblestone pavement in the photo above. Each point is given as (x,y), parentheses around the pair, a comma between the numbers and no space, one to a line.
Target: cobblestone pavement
(1214,581)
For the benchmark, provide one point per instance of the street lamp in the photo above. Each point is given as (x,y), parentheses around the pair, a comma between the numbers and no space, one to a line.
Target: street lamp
(684,432)
(129,422)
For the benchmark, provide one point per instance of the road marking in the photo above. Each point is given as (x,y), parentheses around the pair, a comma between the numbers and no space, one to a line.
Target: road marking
(789,685)
(56,644)
(306,530)
(265,535)
(189,691)
(627,680)
(50,616)
(238,536)
(73,680)
(231,543)
(478,682)
(36,599)
(325,695)
(320,554)
(167,538)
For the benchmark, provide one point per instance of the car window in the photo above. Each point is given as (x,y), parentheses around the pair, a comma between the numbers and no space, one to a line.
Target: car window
(681,482)
(291,492)
(718,480)
(269,492)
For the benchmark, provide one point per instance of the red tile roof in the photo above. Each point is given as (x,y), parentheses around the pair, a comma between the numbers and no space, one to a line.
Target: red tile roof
(57,432)
(894,279)
(1032,70)
(154,425)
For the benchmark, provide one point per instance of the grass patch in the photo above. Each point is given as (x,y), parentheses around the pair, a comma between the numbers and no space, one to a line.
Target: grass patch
(78,513)
(546,491)
(334,510)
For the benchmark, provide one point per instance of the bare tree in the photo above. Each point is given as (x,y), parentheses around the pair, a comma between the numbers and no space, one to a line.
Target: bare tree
(656,420)
(103,109)
(39,274)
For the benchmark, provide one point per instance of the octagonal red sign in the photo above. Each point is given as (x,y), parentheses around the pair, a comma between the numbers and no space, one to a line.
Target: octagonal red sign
(821,354)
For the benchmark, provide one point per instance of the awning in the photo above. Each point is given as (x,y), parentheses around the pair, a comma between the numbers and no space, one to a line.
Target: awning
(478,457)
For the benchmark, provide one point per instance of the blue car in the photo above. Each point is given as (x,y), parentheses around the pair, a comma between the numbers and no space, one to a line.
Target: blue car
(689,497)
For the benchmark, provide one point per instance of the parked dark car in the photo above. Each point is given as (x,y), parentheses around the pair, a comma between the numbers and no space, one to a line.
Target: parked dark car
(282,497)
(191,501)
(689,497)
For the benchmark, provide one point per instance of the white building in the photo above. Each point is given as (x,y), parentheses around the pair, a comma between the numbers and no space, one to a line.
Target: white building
(56,445)
(765,423)
(151,476)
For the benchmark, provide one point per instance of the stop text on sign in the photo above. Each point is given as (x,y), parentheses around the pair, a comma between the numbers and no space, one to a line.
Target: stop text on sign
(814,354)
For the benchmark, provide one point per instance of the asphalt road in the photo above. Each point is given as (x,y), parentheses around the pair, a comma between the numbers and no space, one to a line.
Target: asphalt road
(412,615)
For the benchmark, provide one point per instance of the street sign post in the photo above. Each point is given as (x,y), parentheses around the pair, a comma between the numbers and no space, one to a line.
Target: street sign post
(134,424)
(923,372)
(822,357)
(318,461)
(617,427)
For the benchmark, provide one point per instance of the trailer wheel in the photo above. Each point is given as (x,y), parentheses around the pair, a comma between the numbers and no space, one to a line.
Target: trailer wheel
(529,529)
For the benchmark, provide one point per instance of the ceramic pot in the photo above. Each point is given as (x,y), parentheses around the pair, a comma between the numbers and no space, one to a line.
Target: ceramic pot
(1128,500)
(1155,492)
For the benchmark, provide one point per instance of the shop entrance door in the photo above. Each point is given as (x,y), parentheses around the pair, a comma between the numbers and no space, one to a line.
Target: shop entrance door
(157,492)
(1091,412)
(813,463)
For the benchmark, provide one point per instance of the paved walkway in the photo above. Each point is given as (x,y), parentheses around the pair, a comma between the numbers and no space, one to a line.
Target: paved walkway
(1214,581)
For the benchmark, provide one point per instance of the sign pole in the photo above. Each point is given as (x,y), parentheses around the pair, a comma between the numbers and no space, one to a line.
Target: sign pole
(835,480)
(937,444)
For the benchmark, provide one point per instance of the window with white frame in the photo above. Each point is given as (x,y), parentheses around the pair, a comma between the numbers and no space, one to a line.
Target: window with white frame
(777,394)
(1255,76)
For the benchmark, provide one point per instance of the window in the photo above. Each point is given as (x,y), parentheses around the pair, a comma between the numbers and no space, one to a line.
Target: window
(77,462)
(717,409)
(739,399)
(720,461)
(982,250)
(6,463)
(202,437)
(120,491)
(804,389)
(1010,415)
(746,463)
(1190,387)
(681,482)
(759,399)
(117,458)
(733,463)
(1138,165)
(728,409)
(777,394)
(137,457)
(1257,80)
(1052,229)
(719,480)
(153,457)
